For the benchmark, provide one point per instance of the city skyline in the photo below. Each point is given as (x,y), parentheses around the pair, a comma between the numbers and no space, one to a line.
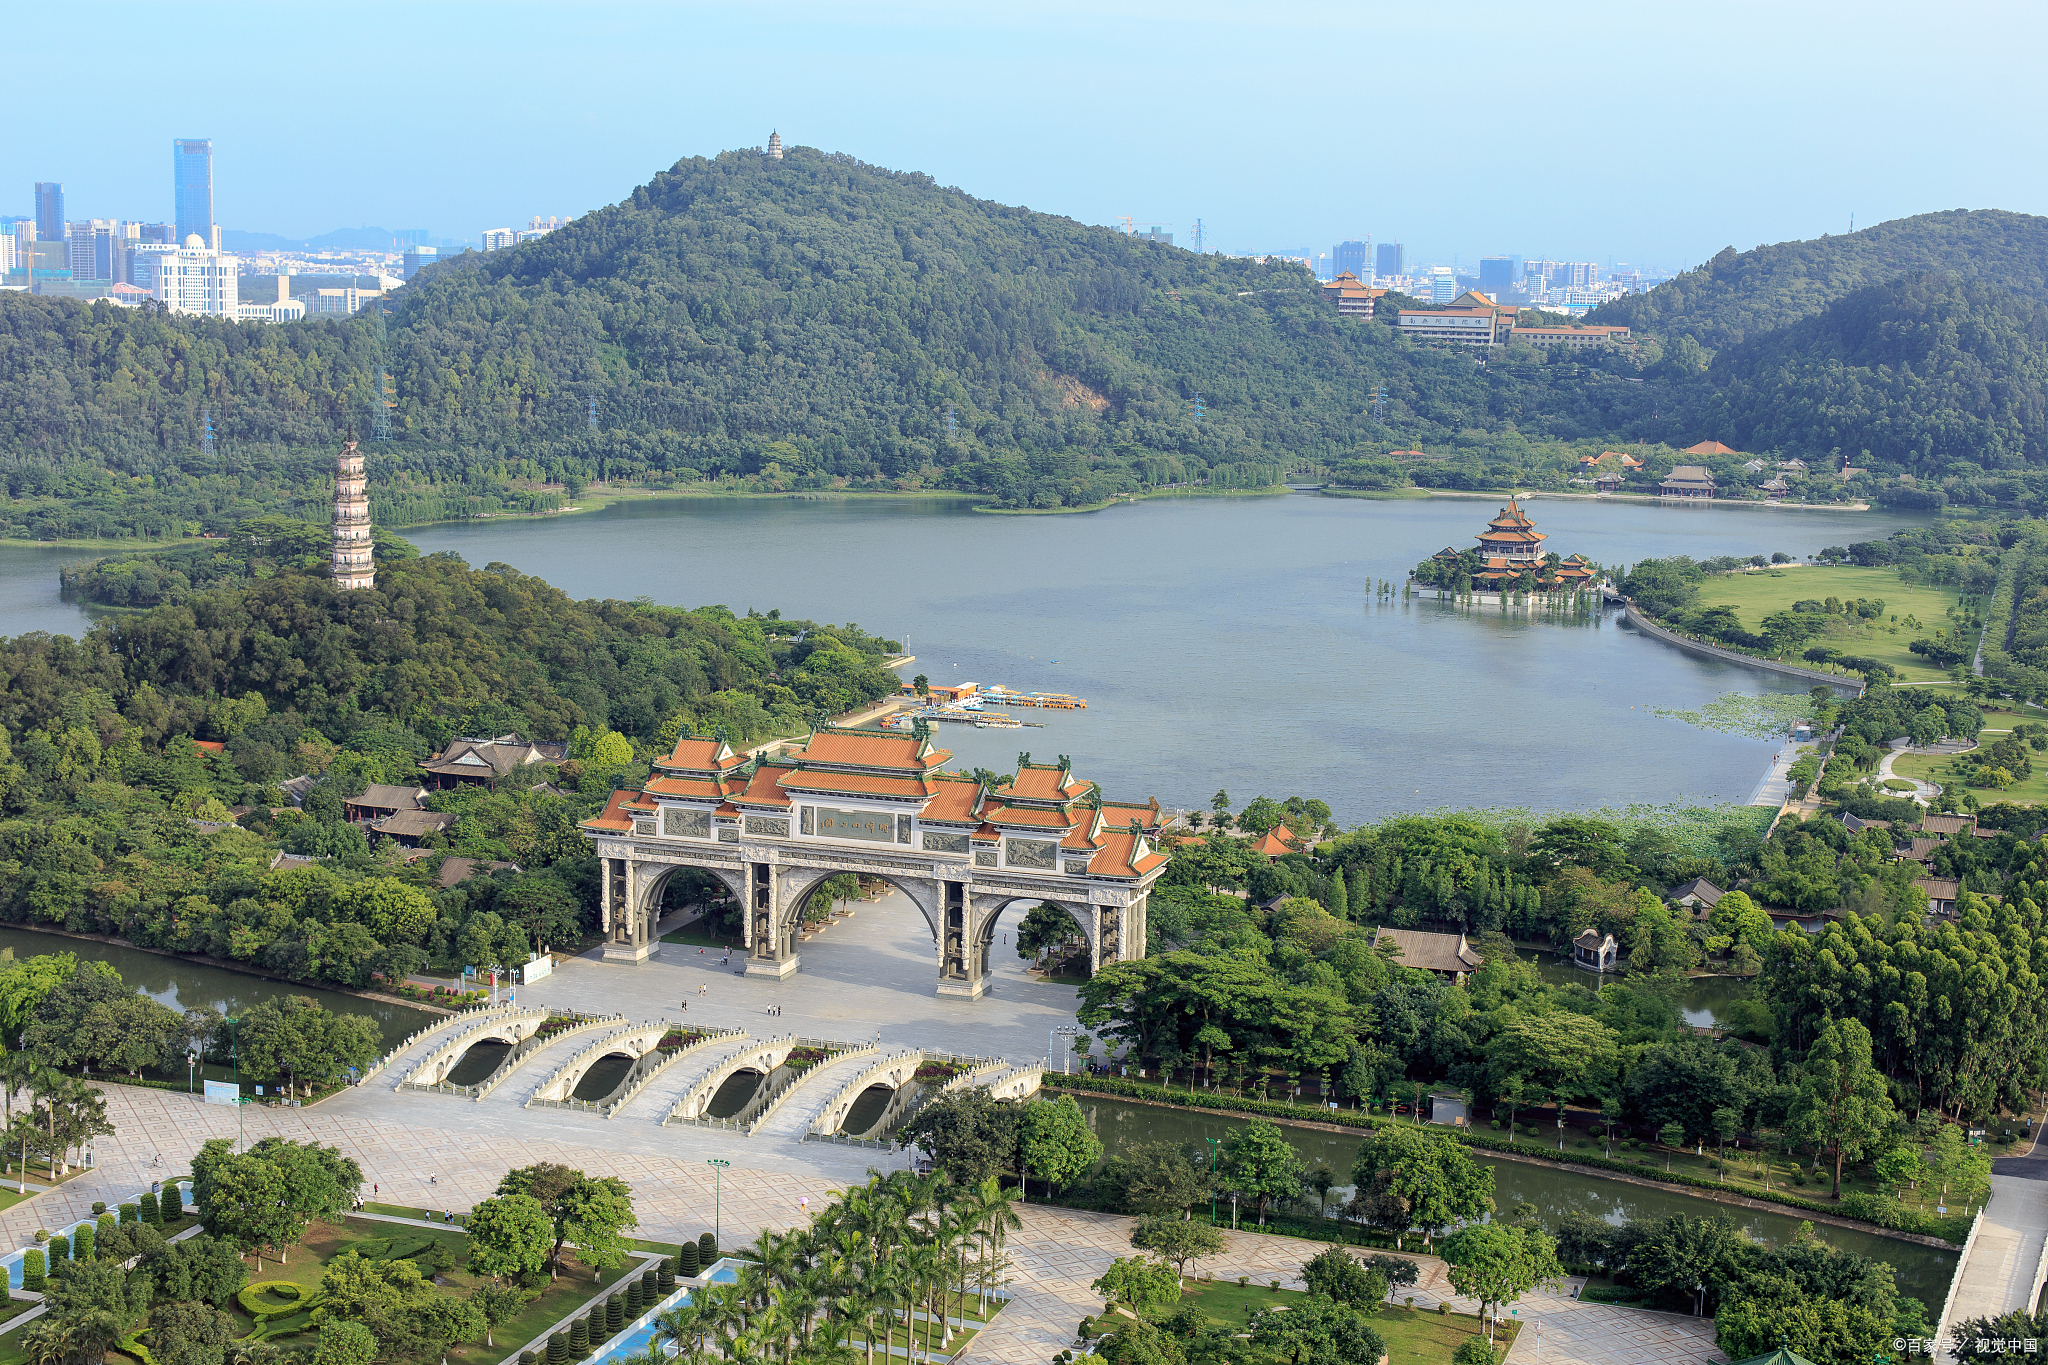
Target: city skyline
(1791,150)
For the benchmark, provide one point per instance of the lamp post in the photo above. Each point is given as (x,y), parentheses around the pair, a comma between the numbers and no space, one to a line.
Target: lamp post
(191,1073)
(718,1166)
(1215,1148)
(1063,1033)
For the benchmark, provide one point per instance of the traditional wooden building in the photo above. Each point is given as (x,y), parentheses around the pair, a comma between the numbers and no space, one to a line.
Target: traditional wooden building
(467,761)
(1687,481)
(1510,547)
(1445,954)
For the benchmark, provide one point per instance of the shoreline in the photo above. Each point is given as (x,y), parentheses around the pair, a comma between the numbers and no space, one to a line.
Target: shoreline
(226,965)
(1729,1197)
(1644,497)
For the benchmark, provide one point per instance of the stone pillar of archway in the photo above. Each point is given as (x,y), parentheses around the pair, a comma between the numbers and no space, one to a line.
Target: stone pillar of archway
(631,919)
(771,924)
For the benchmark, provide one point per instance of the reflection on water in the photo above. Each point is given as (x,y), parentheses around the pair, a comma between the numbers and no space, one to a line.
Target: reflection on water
(603,1077)
(1922,1272)
(733,1094)
(867,1109)
(184,985)
(479,1062)
(1703,1001)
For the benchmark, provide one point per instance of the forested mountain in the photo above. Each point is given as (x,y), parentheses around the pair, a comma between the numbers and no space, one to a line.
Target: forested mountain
(816,322)
(1924,372)
(811,322)
(1738,296)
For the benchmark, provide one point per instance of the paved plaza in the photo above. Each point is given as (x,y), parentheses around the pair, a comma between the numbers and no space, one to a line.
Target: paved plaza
(445,1152)
(874,970)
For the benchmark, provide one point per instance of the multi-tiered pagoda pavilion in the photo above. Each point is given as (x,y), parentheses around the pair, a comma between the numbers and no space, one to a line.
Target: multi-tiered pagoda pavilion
(1511,557)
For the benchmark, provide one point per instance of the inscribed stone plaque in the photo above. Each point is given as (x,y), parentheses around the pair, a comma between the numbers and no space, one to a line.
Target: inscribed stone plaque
(809,819)
(685,824)
(984,857)
(644,828)
(768,825)
(728,835)
(935,842)
(1042,853)
(865,825)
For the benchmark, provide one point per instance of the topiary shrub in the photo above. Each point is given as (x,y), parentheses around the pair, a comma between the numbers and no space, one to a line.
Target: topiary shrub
(1474,1351)
(687,1264)
(615,1312)
(60,1250)
(33,1269)
(1442,1308)
(529,1358)
(82,1238)
(558,1349)
(172,1205)
(650,1289)
(148,1210)
(107,1224)
(131,1213)
(707,1250)
(99,1207)
(665,1278)
(579,1337)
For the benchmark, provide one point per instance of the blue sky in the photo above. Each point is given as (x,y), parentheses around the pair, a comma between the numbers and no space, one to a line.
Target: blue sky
(1650,134)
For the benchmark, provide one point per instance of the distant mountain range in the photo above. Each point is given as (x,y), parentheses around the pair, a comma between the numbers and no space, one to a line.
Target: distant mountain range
(341,239)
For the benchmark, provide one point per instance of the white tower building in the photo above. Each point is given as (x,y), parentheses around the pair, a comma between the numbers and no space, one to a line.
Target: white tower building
(352,555)
(775,146)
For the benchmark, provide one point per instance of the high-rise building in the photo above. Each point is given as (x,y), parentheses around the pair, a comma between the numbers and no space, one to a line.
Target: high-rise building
(164,233)
(416,257)
(1354,257)
(1389,259)
(1496,276)
(497,239)
(1443,284)
(1581,274)
(96,249)
(192,183)
(193,278)
(49,211)
(353,566)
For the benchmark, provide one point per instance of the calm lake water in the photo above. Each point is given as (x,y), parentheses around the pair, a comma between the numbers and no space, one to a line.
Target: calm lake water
(1923,1272)
(184,985)
(1230,644)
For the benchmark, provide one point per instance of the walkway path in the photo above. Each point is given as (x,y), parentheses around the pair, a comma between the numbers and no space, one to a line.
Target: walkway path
(456,1162)
(1776,787)
(2003,1272)
(1922,791)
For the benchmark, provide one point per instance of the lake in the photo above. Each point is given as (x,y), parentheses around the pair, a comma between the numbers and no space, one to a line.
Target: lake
(1221,643)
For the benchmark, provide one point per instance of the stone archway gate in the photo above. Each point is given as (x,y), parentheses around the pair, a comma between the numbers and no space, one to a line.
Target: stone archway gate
(873,803)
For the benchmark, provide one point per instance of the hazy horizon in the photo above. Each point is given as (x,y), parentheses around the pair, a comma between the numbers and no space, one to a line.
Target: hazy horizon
(1585,131)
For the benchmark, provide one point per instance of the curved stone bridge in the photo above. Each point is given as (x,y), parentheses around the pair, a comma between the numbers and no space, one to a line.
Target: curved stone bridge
(514,1027)
(894,1072)
(643,1076)
(763,1057)
(635,1042)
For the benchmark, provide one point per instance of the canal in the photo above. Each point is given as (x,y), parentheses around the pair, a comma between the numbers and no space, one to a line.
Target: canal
(183,984)
(1922,1271)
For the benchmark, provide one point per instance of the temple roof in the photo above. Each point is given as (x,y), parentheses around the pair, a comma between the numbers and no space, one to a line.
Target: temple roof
(701,755)
(870,749)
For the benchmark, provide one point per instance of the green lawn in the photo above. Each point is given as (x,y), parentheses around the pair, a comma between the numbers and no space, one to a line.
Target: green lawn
(691,935)
(1938,769)
(1412,1335)
(1756,595)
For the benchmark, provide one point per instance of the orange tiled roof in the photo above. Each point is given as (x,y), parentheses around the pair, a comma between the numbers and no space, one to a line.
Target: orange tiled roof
(953,799)
(765,787)
(1041,782)
(859,784)
(692,788)
(1277,841)
(701,755)
(1710,448)
(212,746)
(872,749)
(1035,816)
(612,817)
(1115,859)
(1631,462)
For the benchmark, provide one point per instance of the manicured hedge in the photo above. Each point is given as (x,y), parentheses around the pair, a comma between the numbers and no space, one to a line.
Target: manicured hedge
(1891,1214)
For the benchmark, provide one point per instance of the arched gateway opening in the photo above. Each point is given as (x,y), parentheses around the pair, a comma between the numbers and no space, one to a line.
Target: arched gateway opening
(878,804)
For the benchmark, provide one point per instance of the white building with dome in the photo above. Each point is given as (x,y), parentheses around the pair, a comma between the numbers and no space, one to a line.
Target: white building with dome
(193,278)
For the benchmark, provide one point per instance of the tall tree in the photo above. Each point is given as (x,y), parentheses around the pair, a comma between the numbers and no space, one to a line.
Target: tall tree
(1841,1103)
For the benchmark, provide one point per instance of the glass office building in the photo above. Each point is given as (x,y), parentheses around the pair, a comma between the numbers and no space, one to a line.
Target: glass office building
(192,177)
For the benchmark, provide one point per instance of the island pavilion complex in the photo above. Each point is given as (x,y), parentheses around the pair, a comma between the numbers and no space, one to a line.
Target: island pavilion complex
(876,803)
(1510,547)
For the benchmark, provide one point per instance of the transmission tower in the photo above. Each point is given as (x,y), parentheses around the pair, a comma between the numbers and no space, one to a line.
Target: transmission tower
(952,423)
(1197,408)
(1198,236)
(206,432)
(593,414)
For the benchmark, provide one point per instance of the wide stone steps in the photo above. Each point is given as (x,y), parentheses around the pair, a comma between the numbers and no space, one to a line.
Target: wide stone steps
(660,1095)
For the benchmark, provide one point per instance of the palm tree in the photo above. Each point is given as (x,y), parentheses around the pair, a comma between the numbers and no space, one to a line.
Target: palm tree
(994,1217)
(683,1327)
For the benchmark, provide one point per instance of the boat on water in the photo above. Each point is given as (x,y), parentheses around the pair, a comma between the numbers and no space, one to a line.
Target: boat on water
(997,722)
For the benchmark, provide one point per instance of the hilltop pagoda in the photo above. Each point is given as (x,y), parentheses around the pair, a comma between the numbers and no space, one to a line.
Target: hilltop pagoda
(1510,557)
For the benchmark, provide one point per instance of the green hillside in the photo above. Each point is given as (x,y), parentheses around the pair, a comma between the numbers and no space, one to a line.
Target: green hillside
(799,323)
(1936,375)
(1741,295)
